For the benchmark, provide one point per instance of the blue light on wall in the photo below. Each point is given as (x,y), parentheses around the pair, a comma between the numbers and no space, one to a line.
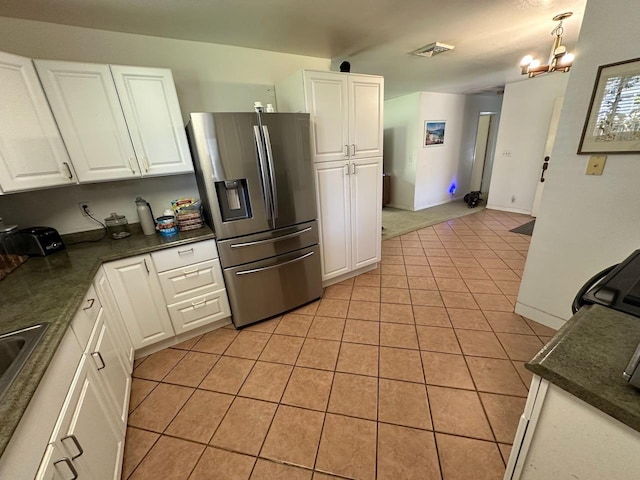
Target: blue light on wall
(452,189)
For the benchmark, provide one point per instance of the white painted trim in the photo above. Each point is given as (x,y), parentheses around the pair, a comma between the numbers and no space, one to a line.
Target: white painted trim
(401,207)
(348,275)
(507,209)
(451,199)
(539,316)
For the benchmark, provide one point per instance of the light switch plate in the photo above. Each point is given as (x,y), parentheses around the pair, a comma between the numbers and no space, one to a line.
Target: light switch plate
(596,164)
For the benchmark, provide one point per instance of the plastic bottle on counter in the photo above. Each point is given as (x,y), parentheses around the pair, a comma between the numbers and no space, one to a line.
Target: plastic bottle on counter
(270,108)
(146,216)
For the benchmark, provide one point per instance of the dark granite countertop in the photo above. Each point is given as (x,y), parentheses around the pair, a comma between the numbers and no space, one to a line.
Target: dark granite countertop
(50,289)
(587,357)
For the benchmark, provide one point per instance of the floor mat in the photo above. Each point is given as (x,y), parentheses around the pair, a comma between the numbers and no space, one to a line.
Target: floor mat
(526,229)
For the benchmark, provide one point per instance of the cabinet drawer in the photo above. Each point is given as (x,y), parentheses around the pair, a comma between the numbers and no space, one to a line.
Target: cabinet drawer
(185,255)
(85,318)
(199,311)
(183,283)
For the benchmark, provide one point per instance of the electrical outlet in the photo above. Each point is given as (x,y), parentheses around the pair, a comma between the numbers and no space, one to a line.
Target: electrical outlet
(84,208)
(506,153)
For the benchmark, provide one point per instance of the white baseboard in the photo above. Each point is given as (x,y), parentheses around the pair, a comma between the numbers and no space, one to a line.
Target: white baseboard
(507,209)
(435,204)
(539,316)
(400,207)
(354,273)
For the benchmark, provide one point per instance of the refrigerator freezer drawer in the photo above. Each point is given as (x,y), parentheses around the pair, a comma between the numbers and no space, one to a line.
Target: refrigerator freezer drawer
(183,283)
(199,311)
(251,248)
(269,287)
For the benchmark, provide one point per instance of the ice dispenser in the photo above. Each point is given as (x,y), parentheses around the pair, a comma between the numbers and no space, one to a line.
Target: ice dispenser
(233,199)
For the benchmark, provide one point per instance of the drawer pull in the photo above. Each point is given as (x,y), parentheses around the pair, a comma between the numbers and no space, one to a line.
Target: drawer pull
(199,303)
(75,441)
(90,302)
(192,271)
(99,355)
(271,240)
(184,252)
(66,461)
(277,265)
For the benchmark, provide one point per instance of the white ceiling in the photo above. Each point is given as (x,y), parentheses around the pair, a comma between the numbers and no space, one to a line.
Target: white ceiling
(376,36)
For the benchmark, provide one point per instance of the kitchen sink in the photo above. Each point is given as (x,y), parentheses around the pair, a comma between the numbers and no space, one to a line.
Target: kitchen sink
(15,348)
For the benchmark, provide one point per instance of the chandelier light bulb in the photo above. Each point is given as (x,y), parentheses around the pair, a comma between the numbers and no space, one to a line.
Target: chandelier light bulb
(535,63)
(526,61)
(567,59)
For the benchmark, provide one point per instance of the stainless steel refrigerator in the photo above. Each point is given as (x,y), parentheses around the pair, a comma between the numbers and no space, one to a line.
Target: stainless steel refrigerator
(255,177)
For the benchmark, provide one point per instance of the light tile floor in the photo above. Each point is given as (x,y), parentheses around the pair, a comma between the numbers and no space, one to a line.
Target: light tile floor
(412,371)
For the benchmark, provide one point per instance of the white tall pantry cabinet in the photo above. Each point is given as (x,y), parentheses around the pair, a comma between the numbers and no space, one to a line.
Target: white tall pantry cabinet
(346,143)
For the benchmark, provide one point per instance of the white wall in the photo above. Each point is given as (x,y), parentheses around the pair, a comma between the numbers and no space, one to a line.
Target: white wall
(519,153)
(586,222)
(401,142)
(208,77)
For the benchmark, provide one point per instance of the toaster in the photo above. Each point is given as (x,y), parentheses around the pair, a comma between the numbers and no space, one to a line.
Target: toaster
(36,241)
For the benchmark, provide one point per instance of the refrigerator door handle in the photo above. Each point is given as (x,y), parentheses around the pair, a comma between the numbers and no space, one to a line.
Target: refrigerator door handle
(266,196)
(272,173)
(271,240)
(277,265)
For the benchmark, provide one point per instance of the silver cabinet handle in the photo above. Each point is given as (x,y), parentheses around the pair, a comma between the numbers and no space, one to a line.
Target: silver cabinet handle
(99,355)
(190,272)
(75,441)
(145,163)
(131,165)
(184,252)
(353,146)
(346,170)
(66,461)
(271,240)
(146,266)
(90,303)
(68,170)
(346,151)
(353,170)
(198,303)
(278,265)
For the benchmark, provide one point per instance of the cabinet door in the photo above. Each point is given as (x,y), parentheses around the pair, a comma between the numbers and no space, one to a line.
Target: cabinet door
(135,284)
(113,318)
(366,211)
(32,154)
(151,109)
(334,217)
(327,102)
(87,419)
(86,107)
(112,371)
(366,100)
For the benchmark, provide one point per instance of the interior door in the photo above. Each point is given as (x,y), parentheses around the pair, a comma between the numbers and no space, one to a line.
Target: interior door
(327,102)
(334,217)
(366,211)
(366,101)
(548,148)
(32,153)
(289,156)
(85,103)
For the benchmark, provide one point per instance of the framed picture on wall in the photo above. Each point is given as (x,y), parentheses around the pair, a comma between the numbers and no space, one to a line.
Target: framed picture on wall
(613,121)
(434,133)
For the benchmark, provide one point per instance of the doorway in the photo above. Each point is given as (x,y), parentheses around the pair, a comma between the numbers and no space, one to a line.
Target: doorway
(482,156)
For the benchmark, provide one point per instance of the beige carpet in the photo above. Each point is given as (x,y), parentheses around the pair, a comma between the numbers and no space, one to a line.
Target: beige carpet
(397,222)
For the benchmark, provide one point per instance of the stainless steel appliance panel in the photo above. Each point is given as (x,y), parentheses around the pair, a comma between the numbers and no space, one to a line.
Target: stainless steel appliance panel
(251,248)
(291,168)
(269,287)
(224,147)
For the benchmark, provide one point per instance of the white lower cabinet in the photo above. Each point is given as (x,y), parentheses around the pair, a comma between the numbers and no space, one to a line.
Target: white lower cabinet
(135,285)
(86,443)
(349,195)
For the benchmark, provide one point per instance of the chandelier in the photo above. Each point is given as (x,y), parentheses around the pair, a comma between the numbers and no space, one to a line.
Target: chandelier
(559,61)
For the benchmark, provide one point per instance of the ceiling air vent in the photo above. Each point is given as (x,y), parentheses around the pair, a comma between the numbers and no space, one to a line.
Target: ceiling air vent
(432,49)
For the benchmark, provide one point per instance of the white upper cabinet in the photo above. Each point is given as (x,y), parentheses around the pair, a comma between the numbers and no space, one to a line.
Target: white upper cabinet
(327,102)
(86,107)
(366,102)
(32,153)
(346,112)
(152,112)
